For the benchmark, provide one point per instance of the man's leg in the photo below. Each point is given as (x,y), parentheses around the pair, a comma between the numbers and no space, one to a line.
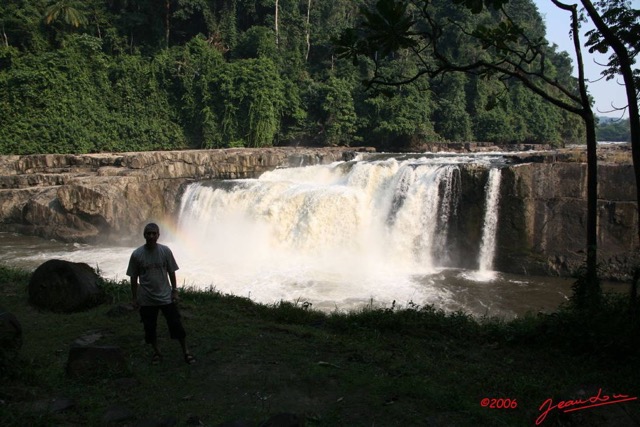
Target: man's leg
(149,317)
(176,329)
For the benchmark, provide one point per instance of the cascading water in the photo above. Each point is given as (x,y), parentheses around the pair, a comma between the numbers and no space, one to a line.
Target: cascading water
(487,246)
(341,232)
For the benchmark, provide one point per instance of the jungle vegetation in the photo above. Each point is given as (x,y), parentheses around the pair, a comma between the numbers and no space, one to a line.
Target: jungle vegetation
(128,75)
(612,130)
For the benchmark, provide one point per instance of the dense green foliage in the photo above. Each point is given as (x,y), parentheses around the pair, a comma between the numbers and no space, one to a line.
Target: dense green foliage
(91,76)
(613,130)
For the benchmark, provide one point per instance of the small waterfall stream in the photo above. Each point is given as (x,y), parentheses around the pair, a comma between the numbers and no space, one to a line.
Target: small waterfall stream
(488,244)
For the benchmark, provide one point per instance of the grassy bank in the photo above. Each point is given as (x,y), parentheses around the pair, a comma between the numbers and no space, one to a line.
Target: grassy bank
(376,367)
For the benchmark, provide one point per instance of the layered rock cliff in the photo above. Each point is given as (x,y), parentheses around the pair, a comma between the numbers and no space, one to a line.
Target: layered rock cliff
(543,219)
(109,196)
(541,226)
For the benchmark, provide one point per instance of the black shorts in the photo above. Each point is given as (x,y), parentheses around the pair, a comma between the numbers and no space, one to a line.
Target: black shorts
(149,318)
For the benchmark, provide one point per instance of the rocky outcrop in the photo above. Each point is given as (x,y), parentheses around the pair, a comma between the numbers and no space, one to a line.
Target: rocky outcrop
(541,226)
(83,198)
(543,216)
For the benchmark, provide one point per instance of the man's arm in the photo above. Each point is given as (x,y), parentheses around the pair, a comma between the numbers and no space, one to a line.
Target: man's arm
(174,286)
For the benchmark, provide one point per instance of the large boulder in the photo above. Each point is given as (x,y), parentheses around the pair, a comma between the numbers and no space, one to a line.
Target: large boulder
(66,287)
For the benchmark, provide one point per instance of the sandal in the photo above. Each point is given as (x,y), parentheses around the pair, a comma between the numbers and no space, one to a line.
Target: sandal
(189,359)
(156,359)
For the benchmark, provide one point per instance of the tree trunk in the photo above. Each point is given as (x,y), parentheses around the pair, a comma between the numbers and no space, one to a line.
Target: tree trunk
(98,26)
(276,25)
(166,22)
(625,66)
(308,34)
(5,39)
(591,291)
(593,288)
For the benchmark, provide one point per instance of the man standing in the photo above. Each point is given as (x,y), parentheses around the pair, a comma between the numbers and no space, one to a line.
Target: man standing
(152,270)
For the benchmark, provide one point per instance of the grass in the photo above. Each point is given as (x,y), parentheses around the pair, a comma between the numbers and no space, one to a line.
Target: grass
(375,367)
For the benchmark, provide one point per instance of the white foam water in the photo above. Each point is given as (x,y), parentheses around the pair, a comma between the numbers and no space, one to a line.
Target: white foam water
(339,234)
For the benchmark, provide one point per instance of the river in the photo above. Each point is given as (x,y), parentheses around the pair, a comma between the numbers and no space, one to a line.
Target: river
(339,237)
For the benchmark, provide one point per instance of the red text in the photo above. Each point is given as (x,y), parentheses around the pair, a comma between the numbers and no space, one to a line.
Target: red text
(499,403)
(579,404)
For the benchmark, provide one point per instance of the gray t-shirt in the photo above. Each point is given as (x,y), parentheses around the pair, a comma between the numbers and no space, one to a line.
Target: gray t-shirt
(152,267)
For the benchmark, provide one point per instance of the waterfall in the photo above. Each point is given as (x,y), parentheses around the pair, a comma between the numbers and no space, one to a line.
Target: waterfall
(340,232)
(387,212)
(487,246)
(424,199)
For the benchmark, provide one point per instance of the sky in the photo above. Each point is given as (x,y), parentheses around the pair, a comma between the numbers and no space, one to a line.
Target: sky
(604,92)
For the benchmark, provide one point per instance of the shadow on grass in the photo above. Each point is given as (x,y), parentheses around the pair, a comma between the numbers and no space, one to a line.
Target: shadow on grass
(377,366)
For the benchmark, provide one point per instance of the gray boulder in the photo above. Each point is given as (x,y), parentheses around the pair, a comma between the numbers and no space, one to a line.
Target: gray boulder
(65,287)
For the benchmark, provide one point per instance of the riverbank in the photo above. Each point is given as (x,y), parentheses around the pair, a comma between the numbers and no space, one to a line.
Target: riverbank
(388,367)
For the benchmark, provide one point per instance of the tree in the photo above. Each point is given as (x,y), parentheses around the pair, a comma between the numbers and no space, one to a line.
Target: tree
(614,130)
(395,117)
(227,27)
(133,36)
(18,23)
(507,49)
(340,119)
(307,30)
(241,103)
(451,119)
(256,42)
(618,29)
(68,11)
